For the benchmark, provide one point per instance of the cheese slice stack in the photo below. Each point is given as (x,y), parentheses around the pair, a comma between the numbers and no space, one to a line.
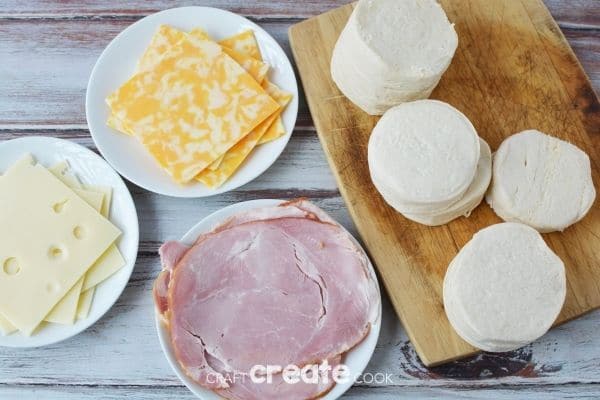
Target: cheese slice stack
(61,247)
(427,161)
(220,107)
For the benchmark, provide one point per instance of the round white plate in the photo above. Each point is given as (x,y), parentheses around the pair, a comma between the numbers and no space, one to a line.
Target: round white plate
(90,169)
(117,64)
(356,359)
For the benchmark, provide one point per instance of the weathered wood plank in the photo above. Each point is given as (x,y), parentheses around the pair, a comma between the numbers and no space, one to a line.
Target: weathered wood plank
(576,13)
(45,67)
(256,8)
(572,13)
(301,170)
(381,393)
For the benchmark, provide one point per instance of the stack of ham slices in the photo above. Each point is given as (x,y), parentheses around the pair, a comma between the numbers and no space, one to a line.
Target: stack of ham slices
(276,286)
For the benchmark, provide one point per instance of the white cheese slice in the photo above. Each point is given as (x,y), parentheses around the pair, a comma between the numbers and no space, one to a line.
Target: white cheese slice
(85,303)
(65,310)
(423,156)
(61,171)
(505,288)
(392,51)
(541,181)
(54,238)
(471,199)
(6,328)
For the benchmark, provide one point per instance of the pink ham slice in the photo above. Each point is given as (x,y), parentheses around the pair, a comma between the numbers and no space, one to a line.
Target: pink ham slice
(170,254)
(243,388)
(275,286)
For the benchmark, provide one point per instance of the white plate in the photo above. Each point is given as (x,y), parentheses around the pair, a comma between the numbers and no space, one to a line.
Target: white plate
(116,65)
(91,169)
(356,359)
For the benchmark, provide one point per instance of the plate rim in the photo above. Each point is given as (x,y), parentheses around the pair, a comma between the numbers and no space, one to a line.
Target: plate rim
(89,321)
(206,224)
(158,189)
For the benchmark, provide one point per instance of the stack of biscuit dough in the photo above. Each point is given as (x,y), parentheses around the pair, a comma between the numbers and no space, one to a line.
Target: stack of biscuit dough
(392,51)
(428,163)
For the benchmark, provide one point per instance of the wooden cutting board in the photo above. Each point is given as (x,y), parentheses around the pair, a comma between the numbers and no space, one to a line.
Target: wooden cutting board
(513,71)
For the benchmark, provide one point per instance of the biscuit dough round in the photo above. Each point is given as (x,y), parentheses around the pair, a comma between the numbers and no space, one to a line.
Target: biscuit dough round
(541,181)
(471,199)
(392,51)
(423,155)
(505,288)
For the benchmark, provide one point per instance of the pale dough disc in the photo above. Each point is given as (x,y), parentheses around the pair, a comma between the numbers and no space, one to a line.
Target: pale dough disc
(505,288)
(423,155)
(541,181)
(392,51)
(471,199)
(462,328)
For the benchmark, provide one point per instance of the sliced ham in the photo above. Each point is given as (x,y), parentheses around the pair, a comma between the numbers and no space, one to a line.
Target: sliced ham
(274,286)
(278,389)
(170,254)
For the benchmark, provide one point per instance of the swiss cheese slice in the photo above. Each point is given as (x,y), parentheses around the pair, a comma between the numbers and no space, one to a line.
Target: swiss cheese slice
(76,302)
(99,197)
(102,273)
(64,312)
(85,303)
(191,107)
(52,237)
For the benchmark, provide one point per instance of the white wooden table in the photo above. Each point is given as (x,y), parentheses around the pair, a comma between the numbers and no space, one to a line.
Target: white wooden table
(47,50)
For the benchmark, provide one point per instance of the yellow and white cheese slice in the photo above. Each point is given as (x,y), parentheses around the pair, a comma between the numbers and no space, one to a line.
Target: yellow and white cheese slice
(243,43)
(191,107)
(166,37)
(213,178)
(246,43)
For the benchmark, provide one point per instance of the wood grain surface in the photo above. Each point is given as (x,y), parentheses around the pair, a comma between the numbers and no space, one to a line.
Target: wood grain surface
(513,70)
(47,50)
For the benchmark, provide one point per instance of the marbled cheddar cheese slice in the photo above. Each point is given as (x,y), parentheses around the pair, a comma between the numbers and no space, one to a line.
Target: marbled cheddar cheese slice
(254,66)
(166,37)
(276,129)
(191,107)
(244,43)
(213,178)
(118,125)
(235,156)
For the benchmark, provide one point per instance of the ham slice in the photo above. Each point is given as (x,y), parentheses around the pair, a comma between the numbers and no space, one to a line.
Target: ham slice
(273,286)
(245,389)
